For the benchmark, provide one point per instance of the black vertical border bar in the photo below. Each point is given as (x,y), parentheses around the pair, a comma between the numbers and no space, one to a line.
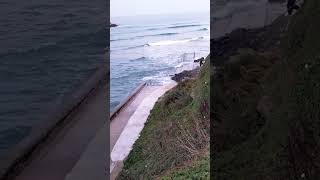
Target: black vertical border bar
(107,104)
(211,91)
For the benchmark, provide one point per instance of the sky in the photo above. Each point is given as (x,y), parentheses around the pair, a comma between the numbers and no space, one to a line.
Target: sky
(140,7)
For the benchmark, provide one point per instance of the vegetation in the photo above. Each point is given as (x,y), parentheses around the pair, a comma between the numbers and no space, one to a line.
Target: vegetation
(198,169)
(266,107)
(175,140)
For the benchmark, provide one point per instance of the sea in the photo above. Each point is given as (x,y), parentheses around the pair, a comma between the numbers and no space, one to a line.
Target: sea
(48,48)
(152,48)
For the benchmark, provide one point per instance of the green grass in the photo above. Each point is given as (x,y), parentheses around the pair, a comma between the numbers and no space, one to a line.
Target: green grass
(302,49)
(199,169)
(241,126)
(176,132)
(285,145)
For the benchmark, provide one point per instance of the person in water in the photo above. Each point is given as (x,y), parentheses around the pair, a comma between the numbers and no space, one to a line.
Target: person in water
(291,5)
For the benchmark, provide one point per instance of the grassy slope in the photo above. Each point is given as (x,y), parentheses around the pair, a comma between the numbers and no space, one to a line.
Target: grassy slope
(267,116)
(175,139)
(302,49)
(239,132)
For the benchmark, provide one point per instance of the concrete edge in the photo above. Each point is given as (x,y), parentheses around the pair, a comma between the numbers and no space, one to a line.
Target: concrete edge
(126,100)
(14,161)
(117,168)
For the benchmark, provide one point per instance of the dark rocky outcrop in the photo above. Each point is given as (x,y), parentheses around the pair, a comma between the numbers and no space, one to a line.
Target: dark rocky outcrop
(185,75)
(113,25)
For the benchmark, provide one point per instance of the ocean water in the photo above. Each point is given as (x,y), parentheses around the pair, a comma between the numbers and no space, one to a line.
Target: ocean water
(47,49)
(153,48)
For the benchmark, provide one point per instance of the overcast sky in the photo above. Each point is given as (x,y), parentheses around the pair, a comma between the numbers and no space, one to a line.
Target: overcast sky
(138,7)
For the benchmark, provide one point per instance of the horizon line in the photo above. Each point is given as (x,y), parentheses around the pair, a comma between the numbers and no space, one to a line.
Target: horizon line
(157,14)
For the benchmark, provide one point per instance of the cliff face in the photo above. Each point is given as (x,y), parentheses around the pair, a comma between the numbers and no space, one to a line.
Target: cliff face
(266,98)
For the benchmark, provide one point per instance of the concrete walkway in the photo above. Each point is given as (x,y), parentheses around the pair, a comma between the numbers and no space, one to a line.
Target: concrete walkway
(60,153)
(133,127)
(120,121)
(93,162)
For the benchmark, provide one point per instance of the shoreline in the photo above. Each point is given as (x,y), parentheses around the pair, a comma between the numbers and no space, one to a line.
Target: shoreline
(123,103)
(137,120)
(178,77)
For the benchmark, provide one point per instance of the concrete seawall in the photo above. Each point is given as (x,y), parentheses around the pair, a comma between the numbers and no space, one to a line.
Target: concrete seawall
(22,154)
(118,108)
(93,163)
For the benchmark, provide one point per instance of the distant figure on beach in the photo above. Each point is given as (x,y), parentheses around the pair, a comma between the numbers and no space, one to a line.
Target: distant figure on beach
(291,5)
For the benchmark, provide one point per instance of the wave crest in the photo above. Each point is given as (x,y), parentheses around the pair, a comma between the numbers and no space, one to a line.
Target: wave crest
(171,42)
(184,26)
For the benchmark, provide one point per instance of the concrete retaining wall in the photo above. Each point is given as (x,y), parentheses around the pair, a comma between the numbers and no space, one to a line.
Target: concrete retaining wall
(126,100)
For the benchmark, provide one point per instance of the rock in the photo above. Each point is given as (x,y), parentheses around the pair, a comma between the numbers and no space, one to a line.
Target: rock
(185,74)
(113,25)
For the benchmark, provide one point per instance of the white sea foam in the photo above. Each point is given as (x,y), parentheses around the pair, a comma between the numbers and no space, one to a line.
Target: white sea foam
(171,42)
(168,42)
